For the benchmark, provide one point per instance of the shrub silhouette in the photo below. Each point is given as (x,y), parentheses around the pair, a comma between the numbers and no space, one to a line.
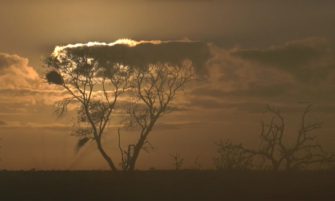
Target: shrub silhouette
(232,157)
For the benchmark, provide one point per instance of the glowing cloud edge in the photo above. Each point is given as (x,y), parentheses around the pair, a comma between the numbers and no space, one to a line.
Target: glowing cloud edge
(123,41)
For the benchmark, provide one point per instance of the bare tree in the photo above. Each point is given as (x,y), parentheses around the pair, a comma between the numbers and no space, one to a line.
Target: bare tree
(95,89)
(274,150)
(232,157)
(155,87)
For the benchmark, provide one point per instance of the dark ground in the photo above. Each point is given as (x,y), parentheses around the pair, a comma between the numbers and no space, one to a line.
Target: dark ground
(167,185)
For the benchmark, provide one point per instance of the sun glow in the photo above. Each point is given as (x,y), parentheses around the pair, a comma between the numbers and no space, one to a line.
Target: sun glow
(126,41)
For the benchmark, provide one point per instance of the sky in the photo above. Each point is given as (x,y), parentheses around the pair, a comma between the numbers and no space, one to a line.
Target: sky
(280,53)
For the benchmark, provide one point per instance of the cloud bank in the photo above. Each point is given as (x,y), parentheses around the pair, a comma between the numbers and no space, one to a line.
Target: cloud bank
(24,95)
(15,73)
(301,71)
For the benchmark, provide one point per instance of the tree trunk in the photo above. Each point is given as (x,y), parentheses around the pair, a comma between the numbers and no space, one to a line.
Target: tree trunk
(137,151)
(141,142)
(106,157)
(97,138)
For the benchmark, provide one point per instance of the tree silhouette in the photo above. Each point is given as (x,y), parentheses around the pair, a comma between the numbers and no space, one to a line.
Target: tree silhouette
(304,151)
(95,88)
(147,75)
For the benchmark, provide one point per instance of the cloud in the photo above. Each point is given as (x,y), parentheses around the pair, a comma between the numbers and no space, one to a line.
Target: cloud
(286,74)
(21,83)
(16,73)
(140,54)
(24,96)
(230,75)
(295,53)
(309,60)
(306,63)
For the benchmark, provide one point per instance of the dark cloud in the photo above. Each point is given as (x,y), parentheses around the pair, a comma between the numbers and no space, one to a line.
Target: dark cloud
(302,70)
(144,54)
(309,60)
(296,53)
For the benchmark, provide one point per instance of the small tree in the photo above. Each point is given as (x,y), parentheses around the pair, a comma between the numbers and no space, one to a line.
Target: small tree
(274,150)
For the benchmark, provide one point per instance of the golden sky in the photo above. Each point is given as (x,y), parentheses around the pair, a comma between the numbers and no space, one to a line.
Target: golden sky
(263,52)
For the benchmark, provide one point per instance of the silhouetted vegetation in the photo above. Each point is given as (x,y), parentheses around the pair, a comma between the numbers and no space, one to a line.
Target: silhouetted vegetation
(275,152)
(95,84)
(232,157)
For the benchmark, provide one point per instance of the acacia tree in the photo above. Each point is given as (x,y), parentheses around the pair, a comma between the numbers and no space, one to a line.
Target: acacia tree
(280,154)
(155,87)
(95,88)
(95,75)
